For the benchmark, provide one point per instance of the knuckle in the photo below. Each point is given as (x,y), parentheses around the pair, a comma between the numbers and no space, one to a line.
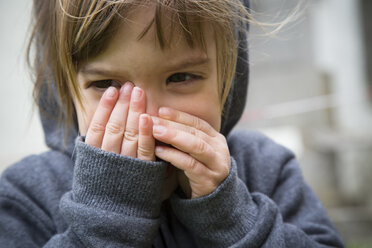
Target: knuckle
(220,142)
(216,179)
(197,123)
(131,134)
(192,131)
(96,127)
(145,152)
(200,147)
(114,128)
(192,164)
(224,172)
(220,137)
(221,173)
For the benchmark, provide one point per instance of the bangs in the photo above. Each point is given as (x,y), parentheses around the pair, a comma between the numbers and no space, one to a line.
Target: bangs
(177,17)
(172,19)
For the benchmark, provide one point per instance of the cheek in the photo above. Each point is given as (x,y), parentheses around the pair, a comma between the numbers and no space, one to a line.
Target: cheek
(205,107)
(210,114)
(85,115)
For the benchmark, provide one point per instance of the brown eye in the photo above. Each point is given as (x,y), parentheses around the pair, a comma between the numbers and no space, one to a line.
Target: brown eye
(181,78)
(104,84)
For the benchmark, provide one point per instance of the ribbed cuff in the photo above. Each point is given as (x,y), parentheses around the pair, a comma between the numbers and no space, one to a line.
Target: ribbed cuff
(221,218)
(117,183)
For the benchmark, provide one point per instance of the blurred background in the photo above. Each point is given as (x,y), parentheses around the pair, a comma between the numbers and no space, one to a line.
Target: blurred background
(310,90)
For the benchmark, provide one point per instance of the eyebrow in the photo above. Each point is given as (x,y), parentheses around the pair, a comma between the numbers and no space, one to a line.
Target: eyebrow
(190,62)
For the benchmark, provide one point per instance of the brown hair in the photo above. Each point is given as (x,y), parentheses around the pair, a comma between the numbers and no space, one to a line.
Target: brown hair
(68,32)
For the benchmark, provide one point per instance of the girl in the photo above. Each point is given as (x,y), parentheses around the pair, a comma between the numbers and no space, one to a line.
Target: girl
(142,155)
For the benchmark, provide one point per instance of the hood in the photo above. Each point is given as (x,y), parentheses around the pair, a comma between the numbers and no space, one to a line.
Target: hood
(56,137)
(235,102)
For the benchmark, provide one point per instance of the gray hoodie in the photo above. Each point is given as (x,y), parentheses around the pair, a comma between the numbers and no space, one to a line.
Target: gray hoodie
(78,196)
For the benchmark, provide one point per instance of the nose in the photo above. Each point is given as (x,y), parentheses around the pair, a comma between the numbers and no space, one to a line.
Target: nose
(153,96)
(152,103)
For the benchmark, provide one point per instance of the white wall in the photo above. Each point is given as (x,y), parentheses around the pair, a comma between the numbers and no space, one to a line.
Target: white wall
(20,129)
(339,51)
(337,37)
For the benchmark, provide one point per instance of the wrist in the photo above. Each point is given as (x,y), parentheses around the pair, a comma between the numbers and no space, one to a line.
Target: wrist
(221,216)
(117,183)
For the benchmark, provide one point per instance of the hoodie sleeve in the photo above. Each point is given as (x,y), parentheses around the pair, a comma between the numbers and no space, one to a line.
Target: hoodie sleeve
(114,202)
(235,215)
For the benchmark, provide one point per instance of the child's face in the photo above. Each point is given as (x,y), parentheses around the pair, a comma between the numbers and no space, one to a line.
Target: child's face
(180,77)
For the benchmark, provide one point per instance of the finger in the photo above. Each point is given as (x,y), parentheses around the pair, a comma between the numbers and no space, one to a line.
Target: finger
(97,126)
(181,160)
(202,180)
(114,132)
(146,142)
(136,108)
(175,125)
(187,119)
(186,142)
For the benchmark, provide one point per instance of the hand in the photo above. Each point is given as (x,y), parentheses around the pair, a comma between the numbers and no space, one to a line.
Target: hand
(197,149)
(120,124)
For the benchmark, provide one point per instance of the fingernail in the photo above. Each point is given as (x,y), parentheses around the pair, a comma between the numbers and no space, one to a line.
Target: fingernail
(164,112)
(127,87)
(137,93)
(110,92)
(159,149)
(159,130)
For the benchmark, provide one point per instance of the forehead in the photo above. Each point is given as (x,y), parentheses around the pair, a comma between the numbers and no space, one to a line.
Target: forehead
(169,23)
(137,39)
(127,53)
